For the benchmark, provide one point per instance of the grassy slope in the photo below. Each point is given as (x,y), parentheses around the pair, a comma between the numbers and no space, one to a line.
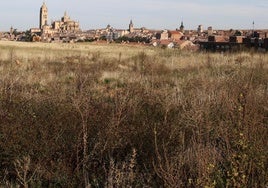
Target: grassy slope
(153,116)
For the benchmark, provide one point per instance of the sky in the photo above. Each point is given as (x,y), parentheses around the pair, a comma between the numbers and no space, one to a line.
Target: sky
(152,14)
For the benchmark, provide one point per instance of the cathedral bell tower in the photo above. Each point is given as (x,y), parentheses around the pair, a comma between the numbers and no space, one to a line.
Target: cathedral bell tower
(131,27)
(43,15)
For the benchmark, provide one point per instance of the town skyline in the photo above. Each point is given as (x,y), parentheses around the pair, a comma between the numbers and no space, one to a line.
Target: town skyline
(157,14)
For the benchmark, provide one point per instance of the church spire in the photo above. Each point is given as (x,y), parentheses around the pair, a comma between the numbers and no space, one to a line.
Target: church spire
(44,5)
(131,26)
(182,27)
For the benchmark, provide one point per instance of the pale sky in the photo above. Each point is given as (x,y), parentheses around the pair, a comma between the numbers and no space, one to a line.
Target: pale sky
(152,14)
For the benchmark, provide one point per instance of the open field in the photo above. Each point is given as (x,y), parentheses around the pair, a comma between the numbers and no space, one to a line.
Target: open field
(126,116)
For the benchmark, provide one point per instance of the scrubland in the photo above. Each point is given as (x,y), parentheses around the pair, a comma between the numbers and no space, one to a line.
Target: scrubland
(88,115)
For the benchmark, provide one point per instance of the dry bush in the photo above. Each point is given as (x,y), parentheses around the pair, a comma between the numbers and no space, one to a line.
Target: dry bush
(77,111)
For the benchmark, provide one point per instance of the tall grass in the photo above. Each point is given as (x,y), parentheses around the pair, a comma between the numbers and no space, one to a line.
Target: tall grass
(76,115)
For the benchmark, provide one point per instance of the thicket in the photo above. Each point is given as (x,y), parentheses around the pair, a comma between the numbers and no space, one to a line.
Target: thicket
(133,39)
(171,119)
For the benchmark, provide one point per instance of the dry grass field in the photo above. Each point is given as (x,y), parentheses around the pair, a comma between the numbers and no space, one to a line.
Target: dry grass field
(91,115)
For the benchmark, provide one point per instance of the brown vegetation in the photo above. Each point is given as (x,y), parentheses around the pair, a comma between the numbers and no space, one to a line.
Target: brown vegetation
(113,116)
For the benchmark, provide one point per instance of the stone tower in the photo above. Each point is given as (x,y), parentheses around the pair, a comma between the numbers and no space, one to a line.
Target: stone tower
(182,27)
(11,30)
(131,27)
(200,29)
(43,15)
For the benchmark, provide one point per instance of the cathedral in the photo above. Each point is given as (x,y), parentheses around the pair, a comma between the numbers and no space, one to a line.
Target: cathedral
(64,25)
